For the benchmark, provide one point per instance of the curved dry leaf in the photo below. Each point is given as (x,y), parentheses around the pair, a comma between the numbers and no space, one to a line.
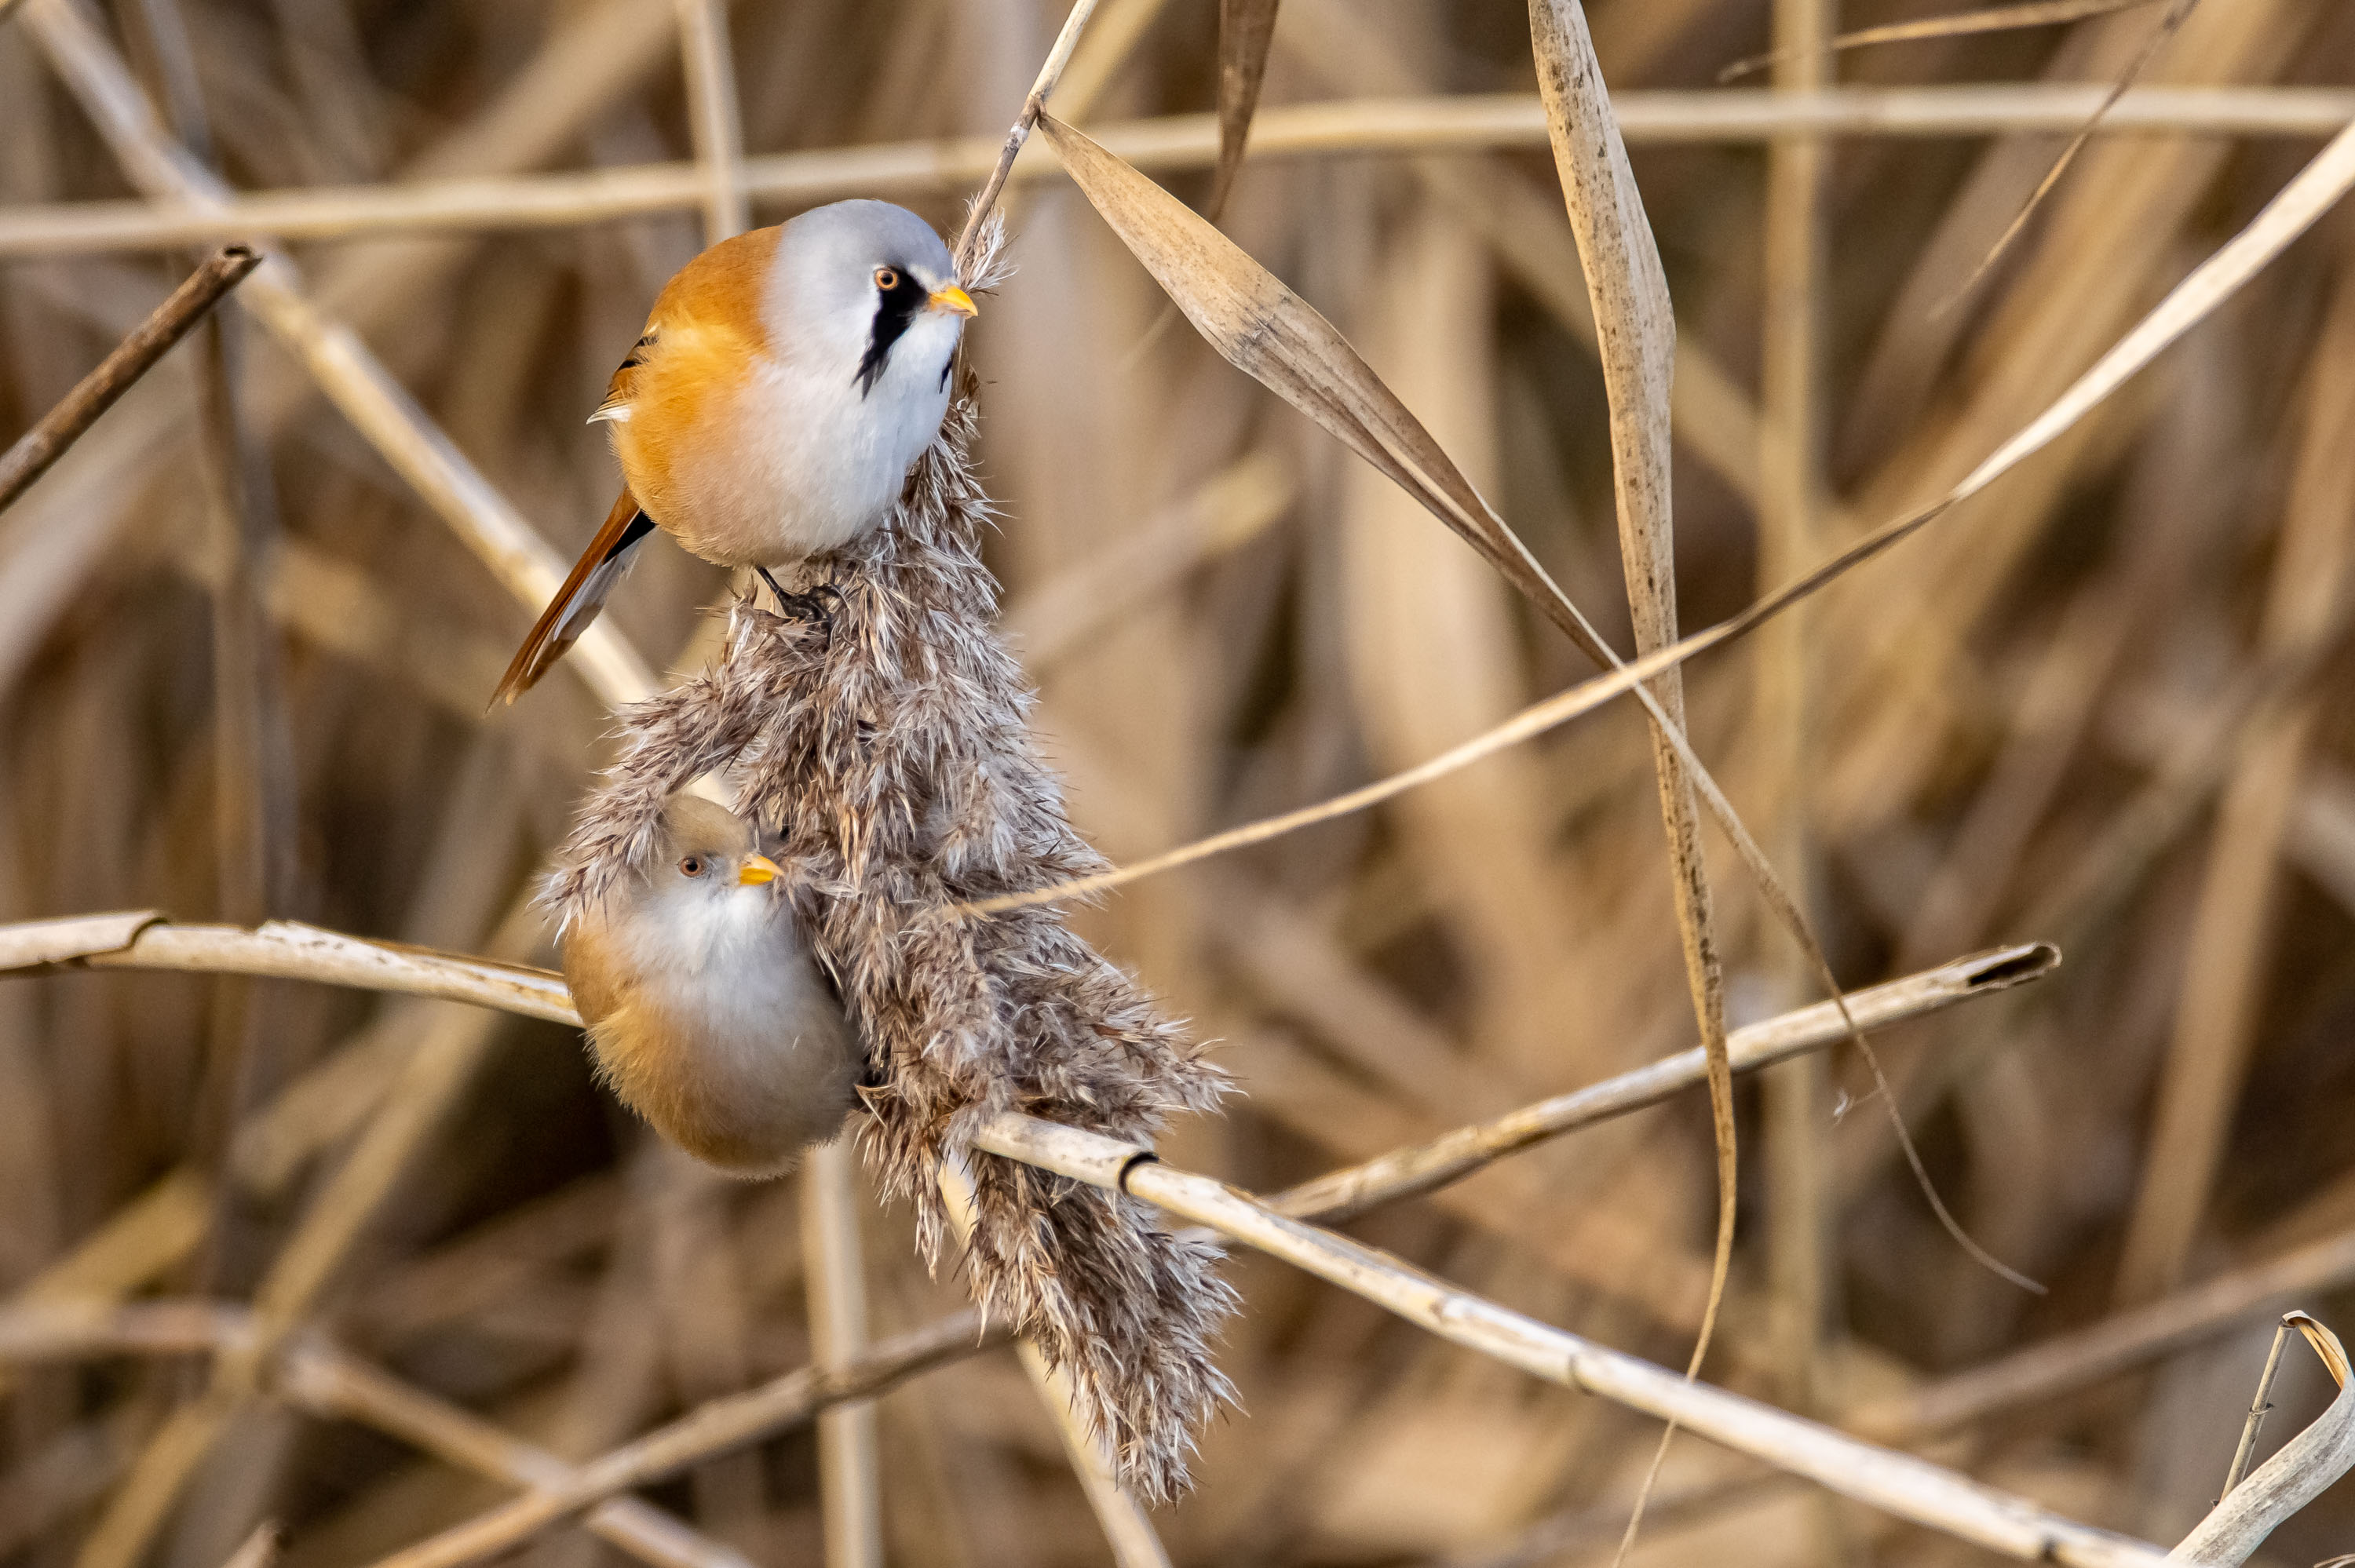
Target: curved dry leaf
(1637,335)
(2326,1343)
(1271,334)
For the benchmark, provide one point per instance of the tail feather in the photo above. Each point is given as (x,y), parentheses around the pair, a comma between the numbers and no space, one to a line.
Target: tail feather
(576,604)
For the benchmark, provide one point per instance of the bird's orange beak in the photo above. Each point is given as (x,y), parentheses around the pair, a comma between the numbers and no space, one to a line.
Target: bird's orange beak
(756,870)
(955,301)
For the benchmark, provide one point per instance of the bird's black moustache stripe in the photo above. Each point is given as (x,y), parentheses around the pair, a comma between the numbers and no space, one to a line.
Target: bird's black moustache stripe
(895,307)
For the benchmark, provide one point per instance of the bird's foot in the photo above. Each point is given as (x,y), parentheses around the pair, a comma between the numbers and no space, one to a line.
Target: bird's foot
(812,607)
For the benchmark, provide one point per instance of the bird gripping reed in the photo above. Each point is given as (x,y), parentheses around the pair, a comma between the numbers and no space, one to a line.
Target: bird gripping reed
(888,749)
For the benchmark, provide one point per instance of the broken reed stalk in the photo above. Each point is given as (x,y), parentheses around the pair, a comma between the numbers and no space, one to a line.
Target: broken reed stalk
(1898,1484)
(30,455)
(2258,1407)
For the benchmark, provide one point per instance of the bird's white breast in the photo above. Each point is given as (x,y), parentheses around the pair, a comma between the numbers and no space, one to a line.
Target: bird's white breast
(807,464)
(728,1039)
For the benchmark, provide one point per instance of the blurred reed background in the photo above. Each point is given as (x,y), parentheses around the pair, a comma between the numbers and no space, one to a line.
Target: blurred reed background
(244,668)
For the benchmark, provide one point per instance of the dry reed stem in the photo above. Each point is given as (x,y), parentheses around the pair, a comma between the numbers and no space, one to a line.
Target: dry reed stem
(1899,1484)
(1405,1172)
(283,949)
(970,241)
(849,1477)
(2119,1343)
(1790,521)
(719,1426)
(1461,124)
(1108,46)
(2260,1403)
(718,128)
(325,958)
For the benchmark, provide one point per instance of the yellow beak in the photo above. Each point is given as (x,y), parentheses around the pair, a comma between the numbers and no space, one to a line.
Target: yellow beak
(758,869)
(955,301)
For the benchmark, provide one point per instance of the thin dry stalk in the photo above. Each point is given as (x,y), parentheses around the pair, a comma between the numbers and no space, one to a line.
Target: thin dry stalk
(2071,1361)
(30,455)
(719,1426)
(1468,123)
(971,242)
(1992,19)
(2259,1405)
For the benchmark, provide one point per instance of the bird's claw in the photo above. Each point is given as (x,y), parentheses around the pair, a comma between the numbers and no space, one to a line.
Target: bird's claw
(812,607)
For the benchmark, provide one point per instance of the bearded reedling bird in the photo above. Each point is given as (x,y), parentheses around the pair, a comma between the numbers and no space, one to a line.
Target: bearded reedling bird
(707,1014)
(787,381)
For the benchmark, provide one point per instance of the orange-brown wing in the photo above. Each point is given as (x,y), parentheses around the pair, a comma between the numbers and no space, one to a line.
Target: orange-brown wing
(576,604)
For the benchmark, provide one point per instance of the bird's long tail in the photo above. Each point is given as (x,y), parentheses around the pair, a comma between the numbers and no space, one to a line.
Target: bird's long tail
(576,604)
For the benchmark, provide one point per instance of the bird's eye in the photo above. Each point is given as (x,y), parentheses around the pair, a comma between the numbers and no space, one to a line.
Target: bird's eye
(691,866)
(887,279)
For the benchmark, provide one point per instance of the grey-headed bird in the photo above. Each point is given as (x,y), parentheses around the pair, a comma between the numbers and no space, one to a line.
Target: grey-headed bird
(705,1010)
(787,381)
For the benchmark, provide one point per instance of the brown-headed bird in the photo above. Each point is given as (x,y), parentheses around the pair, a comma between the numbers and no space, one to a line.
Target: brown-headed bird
(707,1014)
(787,381)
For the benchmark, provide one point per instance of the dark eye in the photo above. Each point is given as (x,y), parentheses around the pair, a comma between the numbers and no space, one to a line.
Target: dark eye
(887,279)
(691,866)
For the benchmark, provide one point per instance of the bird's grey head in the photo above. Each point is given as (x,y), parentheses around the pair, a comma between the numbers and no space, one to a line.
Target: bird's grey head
(706,853)
(866,289)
